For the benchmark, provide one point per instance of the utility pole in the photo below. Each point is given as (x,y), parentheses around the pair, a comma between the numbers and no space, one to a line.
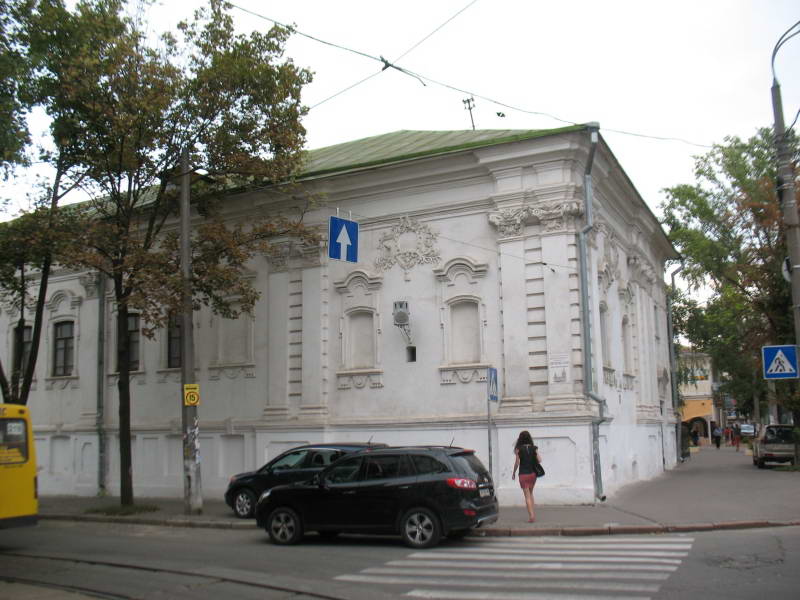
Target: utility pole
(786,191)
(190,397)
(469,104)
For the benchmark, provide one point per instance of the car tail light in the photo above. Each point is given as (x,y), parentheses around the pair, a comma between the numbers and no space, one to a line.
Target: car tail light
(462,483)
(469,512)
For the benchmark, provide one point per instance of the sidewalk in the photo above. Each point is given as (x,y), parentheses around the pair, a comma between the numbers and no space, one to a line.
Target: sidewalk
(714,489)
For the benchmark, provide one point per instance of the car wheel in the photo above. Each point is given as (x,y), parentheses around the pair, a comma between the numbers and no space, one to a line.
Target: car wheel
(420,528)
(243,503)
(284,526)
(760,463)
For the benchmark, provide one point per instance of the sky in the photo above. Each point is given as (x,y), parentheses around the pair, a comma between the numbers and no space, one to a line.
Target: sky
(693,70)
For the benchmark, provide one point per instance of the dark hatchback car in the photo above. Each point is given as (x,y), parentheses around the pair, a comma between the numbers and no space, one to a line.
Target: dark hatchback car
(297,464)
(421,493)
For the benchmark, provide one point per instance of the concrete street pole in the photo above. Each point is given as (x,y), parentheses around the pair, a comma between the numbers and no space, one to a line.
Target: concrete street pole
(786,194)
(192,493)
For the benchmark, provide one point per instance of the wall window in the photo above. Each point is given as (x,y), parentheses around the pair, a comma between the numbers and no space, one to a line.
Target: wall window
(174,345)
(361,340)
(63,348)
(604,342)
(133,342)
(27,336)
(465,334)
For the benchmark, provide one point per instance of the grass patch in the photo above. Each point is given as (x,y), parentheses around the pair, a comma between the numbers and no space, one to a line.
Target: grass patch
(119,510)
(787,468)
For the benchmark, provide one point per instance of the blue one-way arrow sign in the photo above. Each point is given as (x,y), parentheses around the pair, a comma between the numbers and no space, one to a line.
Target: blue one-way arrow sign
(343,240)
(780,362)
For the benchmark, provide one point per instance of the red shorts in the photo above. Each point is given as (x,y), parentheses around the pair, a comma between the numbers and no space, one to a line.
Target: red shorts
(527,480)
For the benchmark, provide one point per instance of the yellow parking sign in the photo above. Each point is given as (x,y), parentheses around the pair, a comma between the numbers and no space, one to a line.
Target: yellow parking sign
(191,394)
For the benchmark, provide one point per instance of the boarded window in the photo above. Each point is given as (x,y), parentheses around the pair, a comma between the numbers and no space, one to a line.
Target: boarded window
(465,339)
(361,342)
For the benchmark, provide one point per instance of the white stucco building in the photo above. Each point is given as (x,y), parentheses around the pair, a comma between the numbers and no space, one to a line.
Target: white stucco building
(478,232)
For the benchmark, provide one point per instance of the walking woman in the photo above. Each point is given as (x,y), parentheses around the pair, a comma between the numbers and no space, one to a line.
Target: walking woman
(527,456)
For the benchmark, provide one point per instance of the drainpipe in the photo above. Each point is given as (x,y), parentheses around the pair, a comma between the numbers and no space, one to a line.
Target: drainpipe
(588,383)
(673,365)
(101,370)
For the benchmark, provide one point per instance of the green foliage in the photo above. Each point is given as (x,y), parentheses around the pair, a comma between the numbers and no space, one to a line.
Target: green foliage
(123,110)
(14,76)
(728,226)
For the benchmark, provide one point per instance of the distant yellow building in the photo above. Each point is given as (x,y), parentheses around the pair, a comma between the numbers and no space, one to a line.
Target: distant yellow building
(698,411)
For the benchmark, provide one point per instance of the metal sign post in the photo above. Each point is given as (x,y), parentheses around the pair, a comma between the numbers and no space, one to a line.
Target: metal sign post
(491,396)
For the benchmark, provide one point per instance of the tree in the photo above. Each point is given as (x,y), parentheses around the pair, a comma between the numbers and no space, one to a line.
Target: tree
(234,102)
(44,42)
(729,228)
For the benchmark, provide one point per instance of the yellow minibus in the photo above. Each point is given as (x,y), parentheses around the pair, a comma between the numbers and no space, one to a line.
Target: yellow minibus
(19,498)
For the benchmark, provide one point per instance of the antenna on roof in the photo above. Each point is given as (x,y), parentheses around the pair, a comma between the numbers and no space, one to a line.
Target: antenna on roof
(469,104)
(451,442)
(369,441)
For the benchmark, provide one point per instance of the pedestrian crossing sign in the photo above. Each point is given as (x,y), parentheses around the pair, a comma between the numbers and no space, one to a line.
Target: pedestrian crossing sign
(780,362)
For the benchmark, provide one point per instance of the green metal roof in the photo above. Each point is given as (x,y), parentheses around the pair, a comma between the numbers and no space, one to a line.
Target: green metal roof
(405,145)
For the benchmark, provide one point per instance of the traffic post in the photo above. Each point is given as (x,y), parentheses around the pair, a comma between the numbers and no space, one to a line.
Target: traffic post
(491,396)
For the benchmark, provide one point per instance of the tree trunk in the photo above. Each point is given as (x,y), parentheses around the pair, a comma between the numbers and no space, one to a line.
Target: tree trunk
(124,389)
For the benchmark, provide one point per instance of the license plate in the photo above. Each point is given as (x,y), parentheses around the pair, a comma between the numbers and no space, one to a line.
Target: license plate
(485,492)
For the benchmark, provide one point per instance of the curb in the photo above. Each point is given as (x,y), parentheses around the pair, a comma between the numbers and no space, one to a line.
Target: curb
(488,532)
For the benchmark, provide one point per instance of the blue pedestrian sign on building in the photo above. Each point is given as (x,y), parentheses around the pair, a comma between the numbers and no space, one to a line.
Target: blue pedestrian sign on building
(343,240)
(491,383)
(780,362)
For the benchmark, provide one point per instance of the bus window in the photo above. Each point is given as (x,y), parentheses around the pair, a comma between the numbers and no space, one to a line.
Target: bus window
(13,442)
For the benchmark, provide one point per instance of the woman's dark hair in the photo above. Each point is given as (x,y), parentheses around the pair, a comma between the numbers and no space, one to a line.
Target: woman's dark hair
(523,439)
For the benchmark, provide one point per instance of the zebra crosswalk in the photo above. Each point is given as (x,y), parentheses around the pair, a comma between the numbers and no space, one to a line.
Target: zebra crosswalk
(630,568)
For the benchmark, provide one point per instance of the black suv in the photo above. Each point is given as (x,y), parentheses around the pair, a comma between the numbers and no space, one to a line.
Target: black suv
(420,492)
(297,464)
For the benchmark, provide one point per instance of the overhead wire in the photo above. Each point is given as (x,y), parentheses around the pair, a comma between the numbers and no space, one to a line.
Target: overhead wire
(404,54)
(386,64)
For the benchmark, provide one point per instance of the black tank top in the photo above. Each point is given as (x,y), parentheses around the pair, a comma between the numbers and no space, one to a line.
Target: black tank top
(527,458)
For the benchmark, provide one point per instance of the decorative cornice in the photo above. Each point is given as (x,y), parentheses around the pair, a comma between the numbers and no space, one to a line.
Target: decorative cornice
(554,216)
(358,277)
(298,253)
(462,264)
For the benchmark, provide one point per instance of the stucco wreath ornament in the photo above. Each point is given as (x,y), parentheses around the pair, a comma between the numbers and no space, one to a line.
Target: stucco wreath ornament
(394,246)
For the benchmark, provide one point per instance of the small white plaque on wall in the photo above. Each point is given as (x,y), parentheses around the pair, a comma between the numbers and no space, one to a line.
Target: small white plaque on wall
(559,368)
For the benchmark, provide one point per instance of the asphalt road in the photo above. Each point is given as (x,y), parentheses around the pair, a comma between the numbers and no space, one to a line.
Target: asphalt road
(136,561)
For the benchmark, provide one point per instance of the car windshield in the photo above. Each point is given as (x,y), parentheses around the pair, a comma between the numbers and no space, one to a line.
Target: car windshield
(470,465)
(778,435)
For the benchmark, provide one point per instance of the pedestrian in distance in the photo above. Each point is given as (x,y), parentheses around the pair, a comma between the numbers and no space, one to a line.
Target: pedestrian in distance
(737,436)
(526,459)
(716,435)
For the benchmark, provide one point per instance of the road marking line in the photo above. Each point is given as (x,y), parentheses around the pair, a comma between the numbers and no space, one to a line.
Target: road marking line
(555,557)
(495,595)
(537,574)
(535,552)
(584,540)
(579,546)
(606,586)
(525,565)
